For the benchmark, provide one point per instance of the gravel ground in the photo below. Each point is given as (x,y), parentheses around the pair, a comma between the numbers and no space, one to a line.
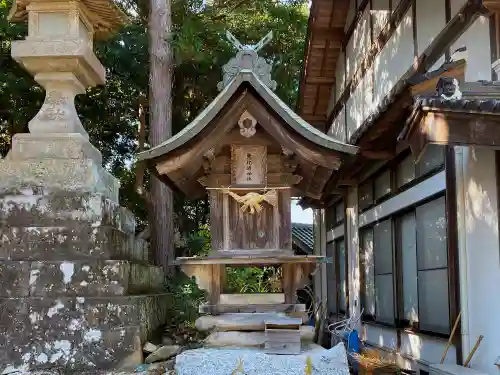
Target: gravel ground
(254,362)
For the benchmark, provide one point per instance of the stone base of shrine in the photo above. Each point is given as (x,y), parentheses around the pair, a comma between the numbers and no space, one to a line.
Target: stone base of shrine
(76,290)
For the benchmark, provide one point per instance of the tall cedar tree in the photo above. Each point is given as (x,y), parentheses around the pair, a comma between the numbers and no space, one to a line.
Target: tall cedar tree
(161,224)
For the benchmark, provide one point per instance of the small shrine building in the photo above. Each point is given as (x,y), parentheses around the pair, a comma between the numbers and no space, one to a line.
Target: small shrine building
(251,154)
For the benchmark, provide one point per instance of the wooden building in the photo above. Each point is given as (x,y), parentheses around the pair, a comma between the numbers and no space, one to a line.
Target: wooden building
(412,222)
(251,154)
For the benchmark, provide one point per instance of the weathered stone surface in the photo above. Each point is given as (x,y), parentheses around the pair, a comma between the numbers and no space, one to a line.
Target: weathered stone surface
(163,353)
(86,278)
(238,321)
(77,333)
(74,175)
(254,362)
(43,315)
(27,146)
(149,347)
(64,209)
(249,339)
(92,349)
(79,242)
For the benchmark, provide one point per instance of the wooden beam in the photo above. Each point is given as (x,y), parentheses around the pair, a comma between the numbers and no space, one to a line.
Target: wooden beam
(312,118)
(320,80)
(379,154)
(492,5)
(347,182)
(454,130)
(288,309)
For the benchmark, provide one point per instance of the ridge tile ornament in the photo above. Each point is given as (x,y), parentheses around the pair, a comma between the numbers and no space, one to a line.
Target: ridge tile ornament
(248,59)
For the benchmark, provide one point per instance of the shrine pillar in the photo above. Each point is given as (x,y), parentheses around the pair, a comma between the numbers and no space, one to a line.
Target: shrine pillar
(76,291)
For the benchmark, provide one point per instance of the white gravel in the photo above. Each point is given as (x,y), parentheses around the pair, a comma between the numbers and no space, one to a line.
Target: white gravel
(225,361)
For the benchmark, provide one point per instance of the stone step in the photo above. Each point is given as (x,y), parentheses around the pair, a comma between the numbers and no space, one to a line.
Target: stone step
(77,278)
(57,175)
(77,333)
(63,209)
(79,242)
(249,339)
(241,321)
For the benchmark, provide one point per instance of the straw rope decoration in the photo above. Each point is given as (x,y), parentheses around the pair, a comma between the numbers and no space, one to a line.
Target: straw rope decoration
(252,201)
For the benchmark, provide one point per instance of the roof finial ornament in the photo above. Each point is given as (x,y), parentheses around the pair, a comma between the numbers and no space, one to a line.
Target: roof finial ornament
(247,59)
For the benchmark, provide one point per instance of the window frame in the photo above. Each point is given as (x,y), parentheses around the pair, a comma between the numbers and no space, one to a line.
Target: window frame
(336,252)
(399,321)
(392,166)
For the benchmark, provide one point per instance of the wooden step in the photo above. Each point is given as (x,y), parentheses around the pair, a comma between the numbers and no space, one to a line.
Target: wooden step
(251,260)
(241,321)
(252,299)
(251,339)
(289,309)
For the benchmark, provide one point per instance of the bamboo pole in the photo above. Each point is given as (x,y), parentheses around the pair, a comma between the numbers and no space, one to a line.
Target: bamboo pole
(450,340)
(469,358)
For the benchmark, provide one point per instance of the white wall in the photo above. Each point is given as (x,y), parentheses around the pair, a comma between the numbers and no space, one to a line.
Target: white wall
(380,15)
(337,130)
(395,59)
(431,19)
(427,350)
(477,41)
(479,254)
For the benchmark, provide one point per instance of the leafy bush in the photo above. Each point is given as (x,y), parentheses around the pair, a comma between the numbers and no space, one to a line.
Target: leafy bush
(253,280)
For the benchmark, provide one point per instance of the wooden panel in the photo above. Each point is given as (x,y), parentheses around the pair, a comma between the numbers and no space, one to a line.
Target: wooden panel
(249,165)
(285,219)
(250,231)
(216,288)
(216,219)
(252,299)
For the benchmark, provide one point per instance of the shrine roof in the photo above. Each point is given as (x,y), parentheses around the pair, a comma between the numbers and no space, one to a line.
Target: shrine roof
(264,91)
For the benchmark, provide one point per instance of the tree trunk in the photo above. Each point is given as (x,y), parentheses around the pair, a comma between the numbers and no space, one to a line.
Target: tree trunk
(160,106)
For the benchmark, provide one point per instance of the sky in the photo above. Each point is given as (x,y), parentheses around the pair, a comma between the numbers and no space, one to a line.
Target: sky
(301,216)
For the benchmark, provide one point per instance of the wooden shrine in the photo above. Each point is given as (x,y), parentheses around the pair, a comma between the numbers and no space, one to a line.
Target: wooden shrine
(250,153)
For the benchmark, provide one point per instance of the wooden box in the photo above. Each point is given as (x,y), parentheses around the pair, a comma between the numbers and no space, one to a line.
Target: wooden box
(283,337)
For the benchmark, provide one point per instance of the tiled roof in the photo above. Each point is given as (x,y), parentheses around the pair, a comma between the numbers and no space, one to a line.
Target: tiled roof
(481,96)
(303,236)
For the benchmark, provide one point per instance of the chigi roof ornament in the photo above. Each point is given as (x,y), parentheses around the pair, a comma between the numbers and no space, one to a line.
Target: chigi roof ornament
(247,59)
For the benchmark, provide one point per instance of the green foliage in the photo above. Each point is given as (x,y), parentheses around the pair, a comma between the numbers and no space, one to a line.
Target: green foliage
(253,280)
(110,113)
(185,299)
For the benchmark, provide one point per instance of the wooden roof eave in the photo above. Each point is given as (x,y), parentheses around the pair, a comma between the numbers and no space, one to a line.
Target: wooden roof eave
(452,127)
(289,117)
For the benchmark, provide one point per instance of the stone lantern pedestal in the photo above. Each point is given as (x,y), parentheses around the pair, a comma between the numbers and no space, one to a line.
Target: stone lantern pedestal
(76,290)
